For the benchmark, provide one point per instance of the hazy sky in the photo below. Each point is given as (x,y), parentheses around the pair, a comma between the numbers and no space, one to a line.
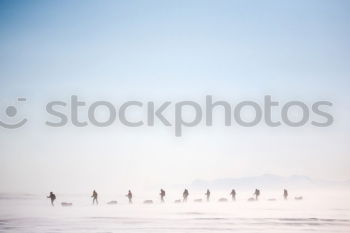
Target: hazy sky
(170,50)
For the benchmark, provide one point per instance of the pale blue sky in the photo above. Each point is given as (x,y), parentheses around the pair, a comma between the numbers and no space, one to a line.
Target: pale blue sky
(170,50)
(249,44)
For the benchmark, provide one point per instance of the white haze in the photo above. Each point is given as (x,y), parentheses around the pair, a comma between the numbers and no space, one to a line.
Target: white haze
(320,211)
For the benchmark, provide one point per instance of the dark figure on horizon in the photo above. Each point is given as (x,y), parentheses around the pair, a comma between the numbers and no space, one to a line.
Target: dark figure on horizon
(94,197)
(129,195)
(257,194)
(233,194)
(208,195)
(285,194)
(185,195)
(162,195)
(52,197)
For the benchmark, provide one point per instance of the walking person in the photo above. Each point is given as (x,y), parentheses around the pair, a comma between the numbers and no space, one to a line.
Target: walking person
(257,194)
(162,195)
(207,194)
(285,194)
(52,197)
(129,196)
(233,194)
(185,195)
(94,198)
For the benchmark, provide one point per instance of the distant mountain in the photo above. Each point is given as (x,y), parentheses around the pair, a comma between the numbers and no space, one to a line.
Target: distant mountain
(267,181)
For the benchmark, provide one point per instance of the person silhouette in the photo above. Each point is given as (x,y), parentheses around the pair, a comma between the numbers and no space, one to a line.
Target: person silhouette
(162,195)
(185,195)
(285,194)
(94,197)
(52,197)
(129,195)
(257,194)
(207,194)
(233,194)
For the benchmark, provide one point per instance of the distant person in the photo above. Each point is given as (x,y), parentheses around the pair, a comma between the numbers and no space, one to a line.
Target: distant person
(207,194)
(162,195)
(94,198)
(285,194)
(129,195)
(233,194)
(257,194)
(185,195)
(52,197)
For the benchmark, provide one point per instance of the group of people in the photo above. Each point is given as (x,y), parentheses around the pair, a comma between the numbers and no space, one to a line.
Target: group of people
(232,194)
(185,195)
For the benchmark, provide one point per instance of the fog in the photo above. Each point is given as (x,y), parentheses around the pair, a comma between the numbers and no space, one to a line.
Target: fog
(321,211)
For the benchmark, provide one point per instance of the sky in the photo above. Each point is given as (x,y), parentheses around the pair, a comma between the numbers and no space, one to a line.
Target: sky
(170,51)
